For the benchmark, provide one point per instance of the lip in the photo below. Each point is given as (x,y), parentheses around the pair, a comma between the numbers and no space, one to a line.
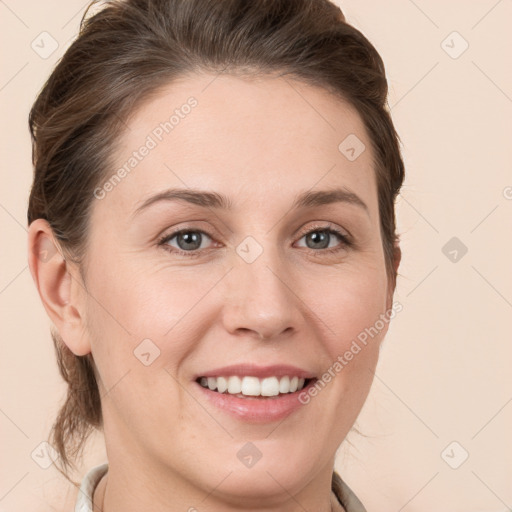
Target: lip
(252,370)
(254,409)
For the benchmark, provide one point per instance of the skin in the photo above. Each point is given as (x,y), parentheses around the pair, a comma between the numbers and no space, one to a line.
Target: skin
(260,142)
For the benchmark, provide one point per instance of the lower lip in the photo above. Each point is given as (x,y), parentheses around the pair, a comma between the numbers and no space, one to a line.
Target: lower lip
(255,409)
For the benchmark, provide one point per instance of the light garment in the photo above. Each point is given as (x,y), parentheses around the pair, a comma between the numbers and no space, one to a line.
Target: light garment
(94,475)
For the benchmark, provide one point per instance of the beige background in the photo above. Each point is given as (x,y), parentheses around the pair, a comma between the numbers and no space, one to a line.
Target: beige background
(444,374)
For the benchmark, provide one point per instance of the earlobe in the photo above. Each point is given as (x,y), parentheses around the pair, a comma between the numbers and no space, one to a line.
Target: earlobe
(60,291)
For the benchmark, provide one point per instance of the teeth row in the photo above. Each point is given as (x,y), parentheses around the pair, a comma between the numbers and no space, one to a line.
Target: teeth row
(252,386)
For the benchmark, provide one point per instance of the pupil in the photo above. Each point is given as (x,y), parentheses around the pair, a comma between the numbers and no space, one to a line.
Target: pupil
(189,237)
(319,237)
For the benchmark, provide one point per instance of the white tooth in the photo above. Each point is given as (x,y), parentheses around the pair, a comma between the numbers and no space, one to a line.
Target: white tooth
(234,385)
(222,384)
(284,385)
(270,386)
(251,386)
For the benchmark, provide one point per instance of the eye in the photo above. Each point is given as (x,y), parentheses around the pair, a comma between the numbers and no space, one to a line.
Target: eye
(186,240)
(190,242)
(320,238)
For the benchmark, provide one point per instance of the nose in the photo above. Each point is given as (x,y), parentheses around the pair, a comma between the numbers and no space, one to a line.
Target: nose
(261,299)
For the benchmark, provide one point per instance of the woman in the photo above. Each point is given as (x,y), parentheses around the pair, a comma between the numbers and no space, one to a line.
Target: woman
(212,233)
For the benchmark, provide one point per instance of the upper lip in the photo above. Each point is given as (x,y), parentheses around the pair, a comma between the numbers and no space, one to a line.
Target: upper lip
(243,370)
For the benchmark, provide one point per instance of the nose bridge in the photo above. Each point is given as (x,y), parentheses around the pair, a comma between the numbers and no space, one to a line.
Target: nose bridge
(260,295)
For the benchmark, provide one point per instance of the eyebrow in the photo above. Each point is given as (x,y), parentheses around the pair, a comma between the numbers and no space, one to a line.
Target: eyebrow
(308,199)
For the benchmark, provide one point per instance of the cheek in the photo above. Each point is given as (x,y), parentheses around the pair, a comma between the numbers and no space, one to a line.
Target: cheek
(144,301)
(352,303)
(154,311)
(139,338)
(353,311)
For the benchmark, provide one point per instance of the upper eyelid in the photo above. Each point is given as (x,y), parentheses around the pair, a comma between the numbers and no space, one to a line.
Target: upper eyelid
(324,225)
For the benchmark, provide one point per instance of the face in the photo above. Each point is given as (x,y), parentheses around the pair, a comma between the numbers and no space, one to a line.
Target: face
(276,282)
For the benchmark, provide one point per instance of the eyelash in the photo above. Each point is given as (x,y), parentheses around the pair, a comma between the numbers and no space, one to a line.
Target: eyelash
(344,239)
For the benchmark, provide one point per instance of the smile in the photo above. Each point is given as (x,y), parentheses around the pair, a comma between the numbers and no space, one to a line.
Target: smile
(250,386)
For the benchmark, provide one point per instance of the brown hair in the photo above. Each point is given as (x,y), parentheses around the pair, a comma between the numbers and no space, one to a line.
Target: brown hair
(125,53)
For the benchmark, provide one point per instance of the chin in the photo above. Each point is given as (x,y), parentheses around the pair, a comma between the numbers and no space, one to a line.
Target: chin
(253,487)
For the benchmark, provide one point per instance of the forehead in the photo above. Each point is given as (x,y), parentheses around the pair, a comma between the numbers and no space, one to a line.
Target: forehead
(255,139)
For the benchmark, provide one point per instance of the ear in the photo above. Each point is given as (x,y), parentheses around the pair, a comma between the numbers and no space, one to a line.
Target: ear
(397,257)
(59,285)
